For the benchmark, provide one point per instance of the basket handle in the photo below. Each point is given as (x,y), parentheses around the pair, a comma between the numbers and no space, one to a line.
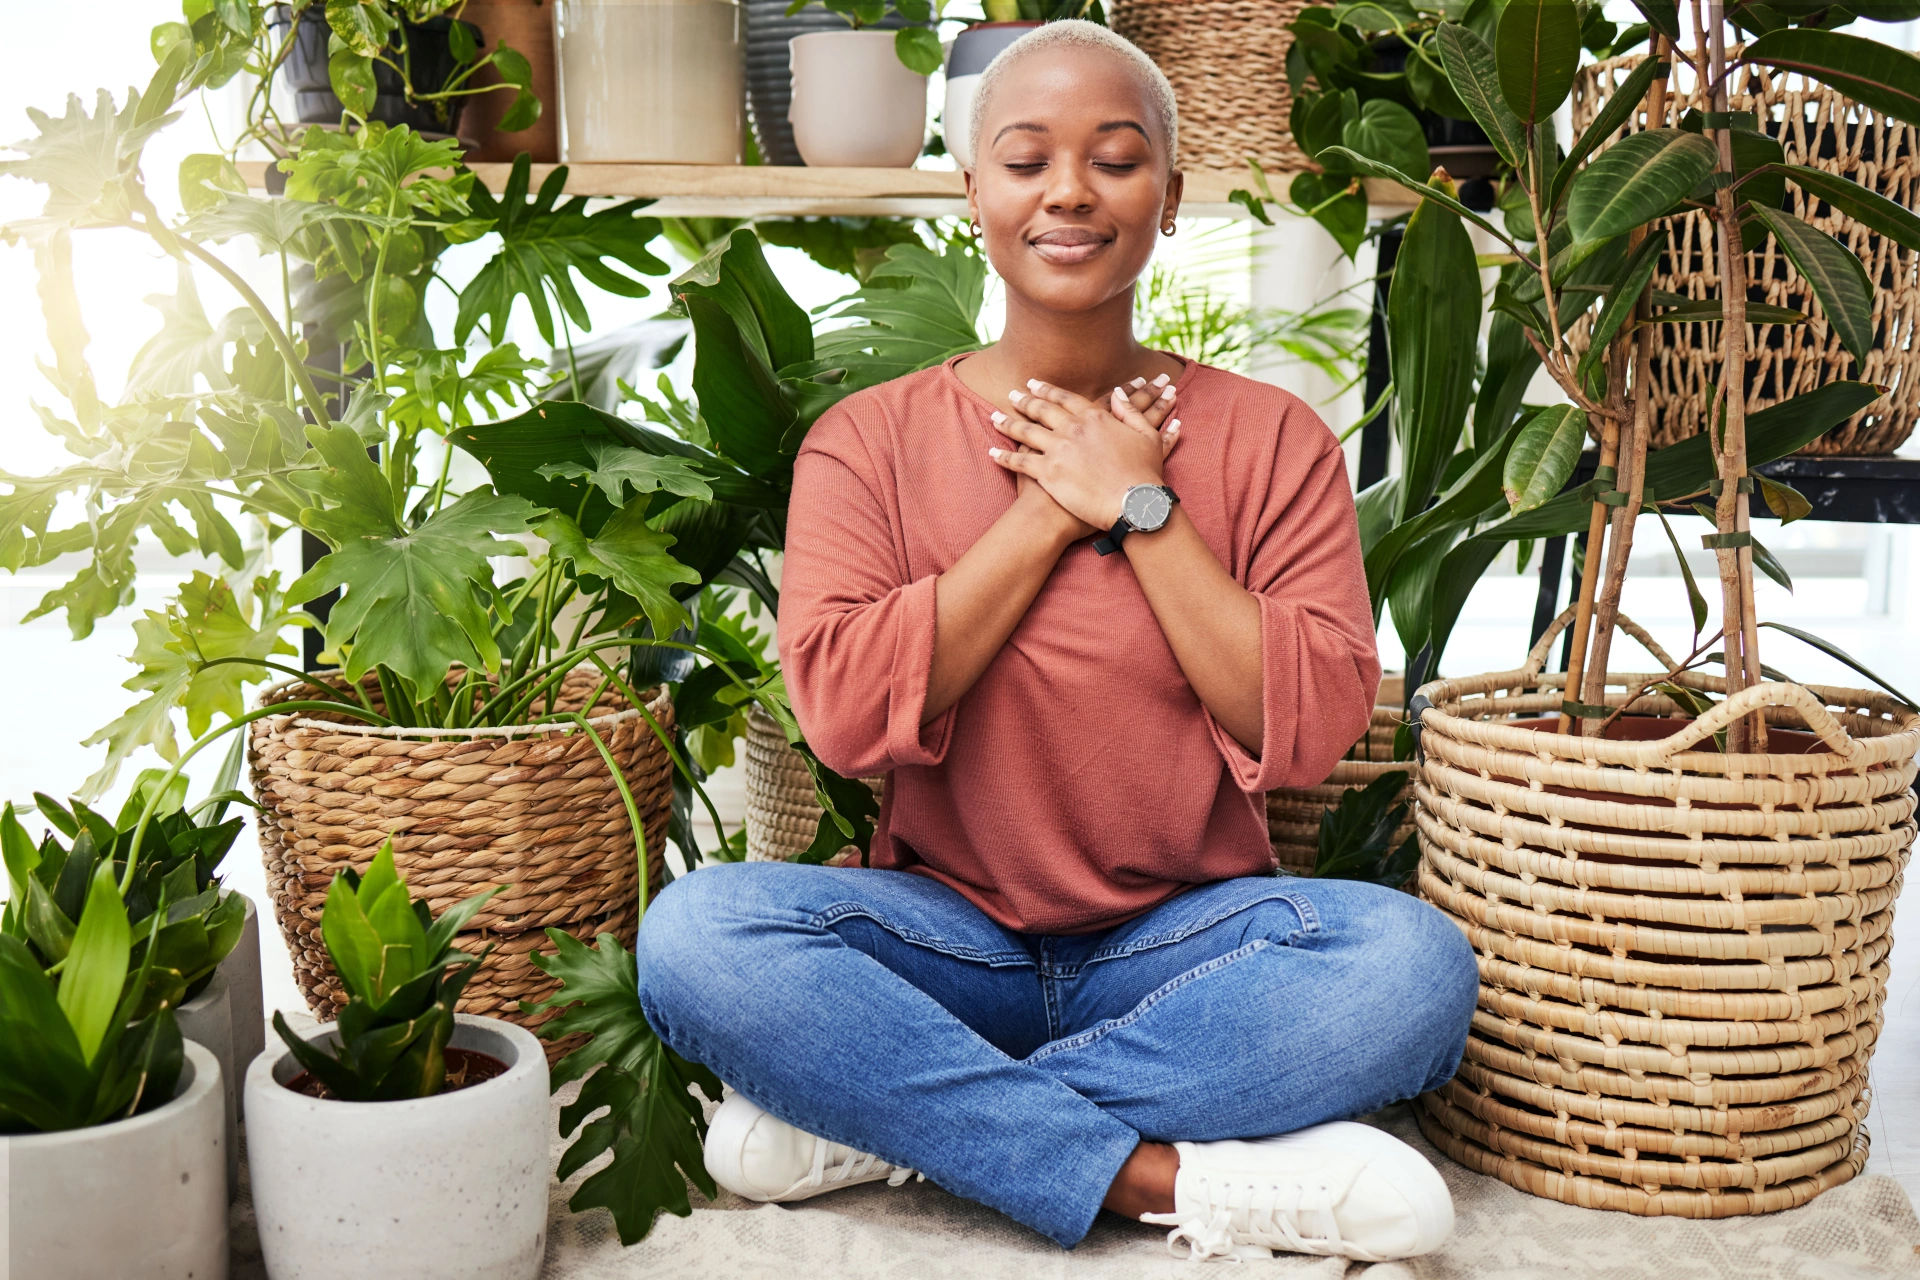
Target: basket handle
(1812,711)
(1537,656)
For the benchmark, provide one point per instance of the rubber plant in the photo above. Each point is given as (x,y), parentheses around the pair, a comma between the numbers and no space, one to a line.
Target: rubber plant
(403,977)
(1601,198)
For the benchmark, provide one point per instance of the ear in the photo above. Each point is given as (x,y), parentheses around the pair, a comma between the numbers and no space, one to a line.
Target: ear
(1176,187)
(973,196)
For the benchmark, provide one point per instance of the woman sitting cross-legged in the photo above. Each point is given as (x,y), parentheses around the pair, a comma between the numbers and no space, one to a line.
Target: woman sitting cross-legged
(1083,603)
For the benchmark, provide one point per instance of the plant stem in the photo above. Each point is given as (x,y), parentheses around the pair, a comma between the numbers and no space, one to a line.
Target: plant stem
(286,303)
(1634,696)
(566,332)
(1731,511)
(395,457)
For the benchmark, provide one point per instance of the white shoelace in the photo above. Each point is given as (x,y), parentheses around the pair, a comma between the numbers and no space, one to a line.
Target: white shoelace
(1248,1220)
(857,1166)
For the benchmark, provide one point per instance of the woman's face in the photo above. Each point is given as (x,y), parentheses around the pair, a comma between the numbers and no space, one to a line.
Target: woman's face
(1071,184)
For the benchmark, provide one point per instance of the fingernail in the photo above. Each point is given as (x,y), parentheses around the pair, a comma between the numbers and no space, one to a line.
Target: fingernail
(998,417)
(1016,396)
(1035,383)
(1173,426)
(1160,381)
(1138,382)
(993,453)
(1118,394)
(1167,394)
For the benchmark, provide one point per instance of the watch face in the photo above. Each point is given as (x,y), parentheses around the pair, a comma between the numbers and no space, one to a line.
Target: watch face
(1147,507)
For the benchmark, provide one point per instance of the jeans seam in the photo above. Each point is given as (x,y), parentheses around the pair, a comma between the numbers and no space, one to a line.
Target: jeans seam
(1302,906)
(848,910)
(1133,1015)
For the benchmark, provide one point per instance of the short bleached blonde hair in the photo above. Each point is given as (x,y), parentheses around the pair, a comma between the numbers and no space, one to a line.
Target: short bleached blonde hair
(1078,34)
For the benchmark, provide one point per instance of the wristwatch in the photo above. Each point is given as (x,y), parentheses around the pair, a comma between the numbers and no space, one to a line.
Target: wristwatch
(1145,509)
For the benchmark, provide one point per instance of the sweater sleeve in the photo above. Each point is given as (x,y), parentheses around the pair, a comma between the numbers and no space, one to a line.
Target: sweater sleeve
(856,637)
(1320,669)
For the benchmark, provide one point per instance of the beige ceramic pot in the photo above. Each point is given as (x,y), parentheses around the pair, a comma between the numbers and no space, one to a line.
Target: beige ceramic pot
(854,104)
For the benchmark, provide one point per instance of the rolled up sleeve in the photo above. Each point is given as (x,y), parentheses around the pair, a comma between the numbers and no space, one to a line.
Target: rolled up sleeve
(856,635)
(1319,666)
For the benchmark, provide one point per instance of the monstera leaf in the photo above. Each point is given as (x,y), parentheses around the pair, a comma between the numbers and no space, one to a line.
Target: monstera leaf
(919,308)
(632,556)
(545,240)
(652,1125)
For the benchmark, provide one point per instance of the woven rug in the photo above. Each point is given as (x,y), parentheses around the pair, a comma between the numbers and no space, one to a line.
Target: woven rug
(1865,1230)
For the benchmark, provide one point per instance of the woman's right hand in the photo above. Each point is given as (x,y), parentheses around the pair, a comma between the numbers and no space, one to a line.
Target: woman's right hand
(1148,400)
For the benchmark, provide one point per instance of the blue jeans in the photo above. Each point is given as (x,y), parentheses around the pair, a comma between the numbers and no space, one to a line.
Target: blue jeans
(882,1010)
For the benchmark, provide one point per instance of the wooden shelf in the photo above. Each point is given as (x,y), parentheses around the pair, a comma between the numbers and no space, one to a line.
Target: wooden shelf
(750,191)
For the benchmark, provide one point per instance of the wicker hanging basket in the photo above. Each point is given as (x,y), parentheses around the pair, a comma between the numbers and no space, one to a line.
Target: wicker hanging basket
(782,814)
(529,807)
(1227,62)
(1683,954)
(1821,128)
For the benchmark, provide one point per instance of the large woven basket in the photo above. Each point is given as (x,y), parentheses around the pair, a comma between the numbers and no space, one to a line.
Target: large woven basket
(782,814)
(1227,62)
(1819,127)
(1683,954)
(531,808)
(1293,813)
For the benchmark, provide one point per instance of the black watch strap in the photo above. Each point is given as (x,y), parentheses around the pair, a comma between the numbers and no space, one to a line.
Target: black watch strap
(1110,543)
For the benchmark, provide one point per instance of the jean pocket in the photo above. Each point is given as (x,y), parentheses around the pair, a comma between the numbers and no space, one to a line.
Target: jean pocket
(1287,915)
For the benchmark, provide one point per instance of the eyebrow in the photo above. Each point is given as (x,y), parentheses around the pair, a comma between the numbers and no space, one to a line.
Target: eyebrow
(1110,126)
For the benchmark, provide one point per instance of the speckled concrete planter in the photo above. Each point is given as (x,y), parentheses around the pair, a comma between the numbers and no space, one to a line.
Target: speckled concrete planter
(445,1188)
(142,1197)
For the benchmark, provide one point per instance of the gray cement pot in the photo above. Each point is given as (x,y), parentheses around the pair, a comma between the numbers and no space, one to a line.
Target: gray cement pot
(226,1019)
(142,1197)
(446,1188)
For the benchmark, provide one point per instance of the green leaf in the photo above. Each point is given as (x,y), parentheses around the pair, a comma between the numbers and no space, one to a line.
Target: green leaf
(1695,601)
(1836,652)
(352,943)
(615,468)
(1475,77)
(403,941)
(1621,300)
(1833,273)
(1711,309)
(89,164)
(653,1126)
(1869,208)
(365,28)
(1445,199)
(1785,501)
(1536,48)
(918,50)
(1341,212)
(1636,180)
(188,345)
(1868,70)
(1355,837)
(1765,561)
(97,963)
(543,241)
(278,224)
(515,70)
(1543,456)
(1619,111)
(350,75)
(409,596)
(1433,322)
(630,554)
(207,180)
(1662,15)
(1388,132)
(918,309)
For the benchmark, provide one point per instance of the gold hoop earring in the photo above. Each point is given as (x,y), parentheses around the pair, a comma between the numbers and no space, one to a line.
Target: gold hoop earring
(1168,230)
(974,227)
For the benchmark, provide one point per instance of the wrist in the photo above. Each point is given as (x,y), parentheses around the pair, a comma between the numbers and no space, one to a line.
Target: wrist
(1045,521)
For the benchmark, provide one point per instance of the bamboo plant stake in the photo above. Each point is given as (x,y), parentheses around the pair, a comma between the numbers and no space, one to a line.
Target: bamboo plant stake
(1639,427)
(1733,541)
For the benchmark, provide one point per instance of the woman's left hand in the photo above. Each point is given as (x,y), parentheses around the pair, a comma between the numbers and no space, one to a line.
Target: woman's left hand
(1085,454)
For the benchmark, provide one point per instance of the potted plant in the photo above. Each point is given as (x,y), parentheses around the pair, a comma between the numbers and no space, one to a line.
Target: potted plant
(415,1132)
(651,83)
(1618,845)
(500,133)
(976,46)
(860,95)
(112,1127)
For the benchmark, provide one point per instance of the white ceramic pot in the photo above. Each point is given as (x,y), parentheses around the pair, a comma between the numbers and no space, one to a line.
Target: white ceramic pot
(967,60)
(446,1188)
(854,103)
(142,1197)
(225,1019)
(651,81)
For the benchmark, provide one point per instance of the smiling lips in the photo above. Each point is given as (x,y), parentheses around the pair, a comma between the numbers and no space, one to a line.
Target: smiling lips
(1065,246)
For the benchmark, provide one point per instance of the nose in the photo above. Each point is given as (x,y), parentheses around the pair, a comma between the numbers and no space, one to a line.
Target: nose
(1068,190)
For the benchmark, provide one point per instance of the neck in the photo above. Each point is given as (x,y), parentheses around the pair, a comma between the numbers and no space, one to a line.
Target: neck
(1089,352)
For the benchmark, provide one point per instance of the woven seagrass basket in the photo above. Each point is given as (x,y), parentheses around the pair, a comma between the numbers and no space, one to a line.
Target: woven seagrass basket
(782,814)
(1227,62)
(529,807)
(1821,128)
(1683,954)
(1293,813)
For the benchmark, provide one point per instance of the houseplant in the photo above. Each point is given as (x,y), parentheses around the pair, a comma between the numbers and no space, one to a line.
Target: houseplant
(112,1127)
(860,95)
(1638,946)
(525,26)
(418,1133)
(651,83)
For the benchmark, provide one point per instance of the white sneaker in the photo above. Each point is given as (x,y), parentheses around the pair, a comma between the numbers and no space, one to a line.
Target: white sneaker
(1342,1189)
(755,1155)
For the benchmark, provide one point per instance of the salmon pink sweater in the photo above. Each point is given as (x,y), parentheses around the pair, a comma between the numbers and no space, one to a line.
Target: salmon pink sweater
(1080,781)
